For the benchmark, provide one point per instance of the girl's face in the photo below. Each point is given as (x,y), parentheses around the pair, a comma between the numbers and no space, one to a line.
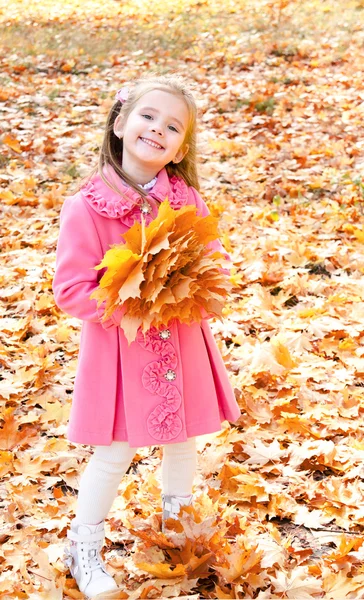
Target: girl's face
(154,132)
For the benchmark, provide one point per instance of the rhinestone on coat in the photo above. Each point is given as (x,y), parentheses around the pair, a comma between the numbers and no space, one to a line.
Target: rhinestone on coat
(170,375)
(146,208)
(165,334)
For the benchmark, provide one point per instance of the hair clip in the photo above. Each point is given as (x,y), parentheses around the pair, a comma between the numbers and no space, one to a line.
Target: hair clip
(122,94)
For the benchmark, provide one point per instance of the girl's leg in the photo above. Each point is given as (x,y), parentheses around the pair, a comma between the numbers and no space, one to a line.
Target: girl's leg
(179,464)
(100,481)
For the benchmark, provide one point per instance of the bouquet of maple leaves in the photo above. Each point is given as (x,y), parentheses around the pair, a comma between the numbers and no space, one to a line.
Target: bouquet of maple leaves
(164,271)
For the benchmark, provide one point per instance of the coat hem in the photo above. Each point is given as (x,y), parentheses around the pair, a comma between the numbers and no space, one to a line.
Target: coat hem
(120,435)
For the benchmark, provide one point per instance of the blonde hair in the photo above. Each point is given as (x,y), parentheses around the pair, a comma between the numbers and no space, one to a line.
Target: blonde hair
(112,146)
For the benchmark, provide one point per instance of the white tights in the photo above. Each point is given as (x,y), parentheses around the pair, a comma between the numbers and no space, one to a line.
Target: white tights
(107,465)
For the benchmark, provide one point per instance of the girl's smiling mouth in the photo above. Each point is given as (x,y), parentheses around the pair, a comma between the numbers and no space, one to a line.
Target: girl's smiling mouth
(151,143)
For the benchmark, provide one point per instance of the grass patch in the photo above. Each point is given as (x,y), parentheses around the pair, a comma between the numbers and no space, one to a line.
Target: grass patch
(89,33)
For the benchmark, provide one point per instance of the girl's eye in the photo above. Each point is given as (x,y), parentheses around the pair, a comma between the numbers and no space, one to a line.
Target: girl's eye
(173,128)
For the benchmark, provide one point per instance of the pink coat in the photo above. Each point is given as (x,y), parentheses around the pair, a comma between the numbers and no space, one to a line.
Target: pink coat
(165,387)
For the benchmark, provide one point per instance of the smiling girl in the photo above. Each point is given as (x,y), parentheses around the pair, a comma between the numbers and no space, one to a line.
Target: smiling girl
(170,384)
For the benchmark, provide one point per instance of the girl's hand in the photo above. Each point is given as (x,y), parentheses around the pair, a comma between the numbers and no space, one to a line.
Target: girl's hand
(117,315)
(114,319)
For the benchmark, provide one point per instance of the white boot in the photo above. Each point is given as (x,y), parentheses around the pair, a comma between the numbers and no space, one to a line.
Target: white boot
(172,505)
(84,560)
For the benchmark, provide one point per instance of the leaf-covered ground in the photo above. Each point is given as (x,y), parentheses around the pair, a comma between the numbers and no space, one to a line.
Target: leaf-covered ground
(279,498)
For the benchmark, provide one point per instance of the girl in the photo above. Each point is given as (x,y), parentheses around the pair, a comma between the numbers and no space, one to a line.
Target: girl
(170,384)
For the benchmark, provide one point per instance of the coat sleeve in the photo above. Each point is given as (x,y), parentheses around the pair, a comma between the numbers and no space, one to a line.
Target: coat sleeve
(203,211)
(78,251)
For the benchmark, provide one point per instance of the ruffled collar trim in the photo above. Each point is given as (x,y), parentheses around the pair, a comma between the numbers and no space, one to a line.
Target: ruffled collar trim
(112,205)
(149,185)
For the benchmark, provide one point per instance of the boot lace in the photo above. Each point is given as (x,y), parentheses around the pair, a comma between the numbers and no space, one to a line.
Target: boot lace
(90,556)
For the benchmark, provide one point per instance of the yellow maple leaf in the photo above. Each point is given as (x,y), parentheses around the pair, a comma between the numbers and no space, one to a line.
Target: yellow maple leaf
(162,570)
(359,234)
(282,354)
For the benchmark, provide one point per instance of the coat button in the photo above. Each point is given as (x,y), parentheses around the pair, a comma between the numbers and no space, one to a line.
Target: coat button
(165,334)
(170,375)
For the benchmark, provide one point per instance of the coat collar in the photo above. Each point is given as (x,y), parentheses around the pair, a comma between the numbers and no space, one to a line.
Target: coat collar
(112,205)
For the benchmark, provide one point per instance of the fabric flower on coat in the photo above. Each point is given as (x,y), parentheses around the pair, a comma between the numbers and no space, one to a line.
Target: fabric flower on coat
(164,271)
(163,422)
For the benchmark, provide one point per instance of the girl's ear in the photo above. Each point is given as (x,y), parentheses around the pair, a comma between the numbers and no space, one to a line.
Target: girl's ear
(181,154)
(118,127)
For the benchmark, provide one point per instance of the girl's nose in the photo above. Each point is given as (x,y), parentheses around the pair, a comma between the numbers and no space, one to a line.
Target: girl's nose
(157,129)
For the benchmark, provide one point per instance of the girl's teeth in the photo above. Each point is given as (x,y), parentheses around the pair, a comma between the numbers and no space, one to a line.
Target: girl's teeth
(151,143)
